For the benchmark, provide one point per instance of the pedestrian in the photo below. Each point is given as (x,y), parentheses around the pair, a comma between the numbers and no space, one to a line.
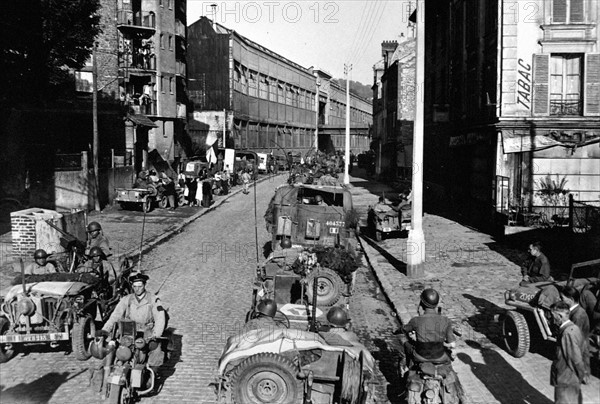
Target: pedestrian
(588,300)
(579,317)
(568,368)
(246,180)
(206,193)
(169,192)
(198,192)
(537,267)
(191,184)
(225,178)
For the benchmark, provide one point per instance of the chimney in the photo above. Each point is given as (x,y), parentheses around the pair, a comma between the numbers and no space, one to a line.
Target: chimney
(387,49)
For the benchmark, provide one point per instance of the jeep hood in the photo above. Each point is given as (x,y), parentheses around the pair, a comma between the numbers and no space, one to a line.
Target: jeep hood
(45,288)
(279,340)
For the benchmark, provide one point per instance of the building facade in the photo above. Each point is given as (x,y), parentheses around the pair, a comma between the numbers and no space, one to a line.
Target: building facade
(512,104)
(394,109)
(249,97)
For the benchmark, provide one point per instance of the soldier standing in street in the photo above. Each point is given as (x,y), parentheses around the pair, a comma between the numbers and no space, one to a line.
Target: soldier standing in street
(96,238)
(568,368)
(40,266)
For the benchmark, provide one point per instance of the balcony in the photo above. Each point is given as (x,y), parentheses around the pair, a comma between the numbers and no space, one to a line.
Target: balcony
(181,110)
(141,24)
(566,107)
(138,60)
(141,105)
(179,28)
(181,68)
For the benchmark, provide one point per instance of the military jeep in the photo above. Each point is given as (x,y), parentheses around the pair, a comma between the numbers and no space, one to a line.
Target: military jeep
(54,308)
(532,307)
(288,366)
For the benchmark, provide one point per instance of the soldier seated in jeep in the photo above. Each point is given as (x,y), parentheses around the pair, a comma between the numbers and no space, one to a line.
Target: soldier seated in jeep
(537,267)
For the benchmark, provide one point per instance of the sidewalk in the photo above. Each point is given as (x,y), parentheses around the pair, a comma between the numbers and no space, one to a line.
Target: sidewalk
(471,271)
(124,228)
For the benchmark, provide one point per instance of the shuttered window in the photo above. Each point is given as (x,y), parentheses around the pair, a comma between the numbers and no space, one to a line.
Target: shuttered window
(568,11)
(541,76)
(592,85)
(565,84)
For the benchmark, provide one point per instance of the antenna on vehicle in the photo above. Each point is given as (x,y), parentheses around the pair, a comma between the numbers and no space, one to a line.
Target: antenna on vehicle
(255,223)
(142,240)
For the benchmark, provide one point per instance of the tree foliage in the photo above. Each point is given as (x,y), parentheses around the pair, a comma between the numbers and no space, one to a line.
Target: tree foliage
(357,88)
(42,40)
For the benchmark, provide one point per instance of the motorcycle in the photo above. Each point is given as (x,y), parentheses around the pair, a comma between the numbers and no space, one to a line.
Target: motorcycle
(433,382)
(127,375)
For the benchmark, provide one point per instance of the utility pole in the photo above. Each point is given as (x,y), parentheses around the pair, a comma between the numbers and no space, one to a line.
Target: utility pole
(318,84)
(347,69)
(95,146)
(224,128)
(415,244)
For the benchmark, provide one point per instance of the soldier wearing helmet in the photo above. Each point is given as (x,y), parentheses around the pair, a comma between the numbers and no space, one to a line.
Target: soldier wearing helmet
(430,332)
(264,316)
(339,321)
(98,265)
(40,266)
(96,238)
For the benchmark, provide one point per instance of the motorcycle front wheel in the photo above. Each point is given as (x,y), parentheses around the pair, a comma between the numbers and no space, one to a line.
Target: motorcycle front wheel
(119,395)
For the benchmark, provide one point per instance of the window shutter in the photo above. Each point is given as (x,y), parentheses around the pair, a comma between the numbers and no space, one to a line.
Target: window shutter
(559,11)
(591,106)
(576,12)
(541,80)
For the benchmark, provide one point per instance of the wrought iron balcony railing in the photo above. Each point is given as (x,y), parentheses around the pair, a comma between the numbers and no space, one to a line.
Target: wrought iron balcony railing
(138,19)
(566,107)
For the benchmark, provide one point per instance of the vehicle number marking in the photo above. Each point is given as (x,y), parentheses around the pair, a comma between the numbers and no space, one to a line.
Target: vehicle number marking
(526,296)
(338,223)
(334,230)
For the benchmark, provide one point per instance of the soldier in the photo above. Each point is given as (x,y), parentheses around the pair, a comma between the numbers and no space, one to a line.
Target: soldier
(96,238)
(40,266)
(97,264)
(147,311)
(265,313)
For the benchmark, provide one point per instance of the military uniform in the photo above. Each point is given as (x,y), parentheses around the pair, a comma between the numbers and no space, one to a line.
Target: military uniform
(33,268)
(432,330)
(100,241)
(149,316)
(568,369)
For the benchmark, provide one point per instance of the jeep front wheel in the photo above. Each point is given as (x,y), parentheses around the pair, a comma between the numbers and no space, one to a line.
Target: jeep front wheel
(266,378)
(515,332)
(7,351)
(84,331)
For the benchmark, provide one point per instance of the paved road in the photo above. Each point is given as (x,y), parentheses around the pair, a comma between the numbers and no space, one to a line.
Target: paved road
(204,276)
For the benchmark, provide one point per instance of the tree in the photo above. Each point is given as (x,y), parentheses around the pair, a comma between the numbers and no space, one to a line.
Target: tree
(42,41)
(357,88)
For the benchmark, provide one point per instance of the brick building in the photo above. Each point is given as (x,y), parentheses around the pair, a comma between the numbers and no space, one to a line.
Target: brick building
(512,99)
(263,101)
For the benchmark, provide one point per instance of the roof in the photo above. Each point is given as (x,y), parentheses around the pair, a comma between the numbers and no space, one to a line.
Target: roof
(141,120)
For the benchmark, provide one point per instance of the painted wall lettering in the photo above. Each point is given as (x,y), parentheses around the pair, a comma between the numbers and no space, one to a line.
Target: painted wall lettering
(524,84)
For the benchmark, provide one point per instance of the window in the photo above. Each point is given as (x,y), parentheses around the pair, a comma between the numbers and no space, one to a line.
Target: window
(171,85)
(160,3)
(170,4)
(568,11)
(162,84)
(263,85)
(170,42)
(252,84)
(565,84)
(162,41)
(288,95)
(237,77)
(280,94)
(243,81)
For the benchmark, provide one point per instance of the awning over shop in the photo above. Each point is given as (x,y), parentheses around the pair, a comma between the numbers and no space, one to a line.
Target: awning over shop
(141,120)
(525,142)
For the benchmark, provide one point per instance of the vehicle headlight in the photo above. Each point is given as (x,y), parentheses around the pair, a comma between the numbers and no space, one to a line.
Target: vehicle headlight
(123,353)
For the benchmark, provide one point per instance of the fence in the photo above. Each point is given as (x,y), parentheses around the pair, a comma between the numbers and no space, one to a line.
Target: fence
(584,216)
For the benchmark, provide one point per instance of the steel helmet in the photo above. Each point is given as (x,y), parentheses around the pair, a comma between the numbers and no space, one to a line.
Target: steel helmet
(286,243)
(267,307)
(93,226)
(338,316)
(97,348)
(430,298)
(96,252)
(318,199)
(40,254)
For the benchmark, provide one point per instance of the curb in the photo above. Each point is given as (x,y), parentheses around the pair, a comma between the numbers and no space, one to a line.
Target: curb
(134,253)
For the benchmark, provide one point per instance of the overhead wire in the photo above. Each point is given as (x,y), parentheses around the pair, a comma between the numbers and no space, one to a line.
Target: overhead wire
(368,21)
(358,55)
(361,26)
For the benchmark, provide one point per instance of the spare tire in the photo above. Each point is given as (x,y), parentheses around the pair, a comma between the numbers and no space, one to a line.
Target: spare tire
(329,287)
(266,378)
(83,333)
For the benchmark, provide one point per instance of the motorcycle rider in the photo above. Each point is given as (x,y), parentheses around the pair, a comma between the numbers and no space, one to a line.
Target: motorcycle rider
(40,266)
(147,311)
(96,238)
(430,336)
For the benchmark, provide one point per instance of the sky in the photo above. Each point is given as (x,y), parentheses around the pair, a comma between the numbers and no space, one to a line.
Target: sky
(323,34)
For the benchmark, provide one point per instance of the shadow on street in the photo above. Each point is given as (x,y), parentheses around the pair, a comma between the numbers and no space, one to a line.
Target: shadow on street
(518,391)
(395,262)
(31,392)
(388,365)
